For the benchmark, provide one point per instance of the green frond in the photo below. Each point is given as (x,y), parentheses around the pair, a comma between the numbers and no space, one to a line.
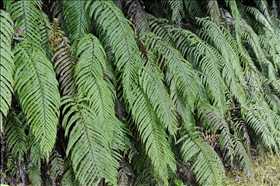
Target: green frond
(121,40)
(37,91)
(88,146)
(207,166)
(6,65)
(211,119)
(231,71)
(260,18)
(45,29)
(214,11)
(27,17)
(178,70)
(16,137)
(34,175)
(153,136)
(264,8)
(63,59)
(157,9)
(257,123)
(128,61)
(242,156)
(177,8)
(68,178)
(76,17)
(161,28)
(206,60)
(89,77)
(151,81)
(193,8)
(57,12)
(57,166)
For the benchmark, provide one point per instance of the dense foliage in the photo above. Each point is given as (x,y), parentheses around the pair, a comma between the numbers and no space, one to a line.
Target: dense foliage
(137,92)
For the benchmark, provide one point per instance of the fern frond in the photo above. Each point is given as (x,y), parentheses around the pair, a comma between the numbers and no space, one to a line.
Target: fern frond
(193,8)
(242,156)
(128,63)
(231,71)
(207,166)
(214,11)
(87,146)
(45,29)
(205,59)
(68,178)
(89,76)
(138,16)
(37,91)
(16,137)
(160,27)
(7,66)
(57,12)
(178,70)
(27,16)
(62,59)
(211,119)
(57,165)
(76,17)
(177,8)
(264,8)
(151,81)
(256,122)
(260,18)
(34,175)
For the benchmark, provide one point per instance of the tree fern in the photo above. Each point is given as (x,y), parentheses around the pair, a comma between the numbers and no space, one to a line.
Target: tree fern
(41,106)
(6,65)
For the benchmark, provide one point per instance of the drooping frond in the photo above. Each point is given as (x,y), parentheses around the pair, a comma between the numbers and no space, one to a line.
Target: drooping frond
(45,28)
(16,137)
(27,18)
(128,62)
(263,6)
(76,17)
(37,91)
(206,60)
(62,59)
(6,65)
(68,178)
(232,71)
(161,28)
(151,81)
(137,15)
(57,12)
(256,122)
(34,175)
(207,166)
(57,166)
(260,17)
(211,119)
(193,8)
(89,76)
(214,11)
(178,70)
(88,145)
(177,8)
